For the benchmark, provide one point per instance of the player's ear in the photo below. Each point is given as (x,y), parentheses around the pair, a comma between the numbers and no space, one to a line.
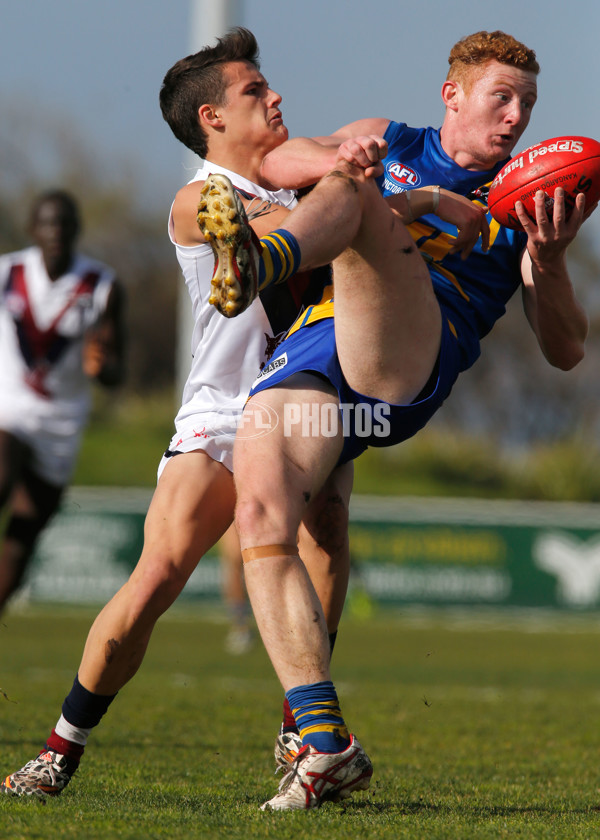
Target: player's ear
(208,115)
(450,94)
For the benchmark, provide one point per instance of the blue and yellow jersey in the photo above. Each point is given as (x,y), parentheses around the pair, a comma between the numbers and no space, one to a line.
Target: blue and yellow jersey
(473,292)
(321,308)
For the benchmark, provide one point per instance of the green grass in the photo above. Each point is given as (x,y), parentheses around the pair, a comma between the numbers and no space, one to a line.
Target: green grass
(125,440)
(476,728)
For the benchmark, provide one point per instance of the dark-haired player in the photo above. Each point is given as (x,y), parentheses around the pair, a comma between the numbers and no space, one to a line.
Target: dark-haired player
(218,103)
(60,327)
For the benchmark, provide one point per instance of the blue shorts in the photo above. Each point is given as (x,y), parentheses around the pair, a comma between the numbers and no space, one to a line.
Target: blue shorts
(367,421)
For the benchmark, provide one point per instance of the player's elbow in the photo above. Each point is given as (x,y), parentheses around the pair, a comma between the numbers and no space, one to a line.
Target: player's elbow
(568,357)
(270,170)
(574,359)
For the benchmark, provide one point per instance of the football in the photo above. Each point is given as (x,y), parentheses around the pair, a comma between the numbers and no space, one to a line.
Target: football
(572,163)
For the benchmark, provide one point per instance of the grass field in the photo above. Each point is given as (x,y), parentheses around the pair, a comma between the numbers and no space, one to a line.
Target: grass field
(477,727)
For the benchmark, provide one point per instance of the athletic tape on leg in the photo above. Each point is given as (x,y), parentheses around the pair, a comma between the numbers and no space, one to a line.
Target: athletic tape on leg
(261,551)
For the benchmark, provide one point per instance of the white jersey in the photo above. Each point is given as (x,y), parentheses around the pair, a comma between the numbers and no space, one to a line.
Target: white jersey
(44,393)
(226,353)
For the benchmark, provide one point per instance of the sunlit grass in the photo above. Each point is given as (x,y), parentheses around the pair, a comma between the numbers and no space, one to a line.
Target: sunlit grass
(479,727)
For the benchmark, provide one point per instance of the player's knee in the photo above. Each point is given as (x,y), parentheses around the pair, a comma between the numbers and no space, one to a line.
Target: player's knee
(265,522)
(344,178)
(250,514)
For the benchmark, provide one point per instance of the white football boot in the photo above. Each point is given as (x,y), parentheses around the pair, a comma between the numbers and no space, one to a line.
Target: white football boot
(315,777)
(45,775)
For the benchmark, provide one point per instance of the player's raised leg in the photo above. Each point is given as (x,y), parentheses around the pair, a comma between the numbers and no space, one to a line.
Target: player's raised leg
(244,264)
(387,318)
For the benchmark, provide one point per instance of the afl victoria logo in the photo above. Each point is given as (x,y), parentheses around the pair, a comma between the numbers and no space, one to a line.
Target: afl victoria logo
(402,175)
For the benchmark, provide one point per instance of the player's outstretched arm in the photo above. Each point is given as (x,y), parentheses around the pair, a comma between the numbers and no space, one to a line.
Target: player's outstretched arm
(299,163)
(302,161)
(556,316)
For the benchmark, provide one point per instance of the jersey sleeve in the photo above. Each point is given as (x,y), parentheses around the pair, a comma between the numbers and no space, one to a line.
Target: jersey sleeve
(395,130)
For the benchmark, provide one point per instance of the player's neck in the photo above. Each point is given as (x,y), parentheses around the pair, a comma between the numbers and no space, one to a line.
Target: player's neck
(57,266)
(460,150)
(244,162)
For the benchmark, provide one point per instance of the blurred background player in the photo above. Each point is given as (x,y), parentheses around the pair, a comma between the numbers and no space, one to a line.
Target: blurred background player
(60,327)
(240,637)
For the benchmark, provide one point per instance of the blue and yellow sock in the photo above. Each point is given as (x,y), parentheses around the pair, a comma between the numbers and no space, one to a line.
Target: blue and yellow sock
(318,717)
(280,258)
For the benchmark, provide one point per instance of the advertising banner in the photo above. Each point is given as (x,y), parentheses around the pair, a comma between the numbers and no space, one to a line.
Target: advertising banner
(404,551)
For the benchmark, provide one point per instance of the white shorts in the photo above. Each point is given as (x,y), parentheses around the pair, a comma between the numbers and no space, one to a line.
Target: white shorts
(53,454)
(211,432)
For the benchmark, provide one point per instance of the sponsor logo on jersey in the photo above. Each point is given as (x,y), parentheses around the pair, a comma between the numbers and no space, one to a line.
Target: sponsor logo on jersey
(271,344)
(400,177)
(271,368)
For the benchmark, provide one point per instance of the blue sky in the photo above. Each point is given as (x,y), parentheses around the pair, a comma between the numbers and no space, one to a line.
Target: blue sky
(98,65)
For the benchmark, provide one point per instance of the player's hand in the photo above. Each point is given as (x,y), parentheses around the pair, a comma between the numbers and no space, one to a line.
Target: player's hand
(95,356)
(468,217)
(366,152)
(548,237)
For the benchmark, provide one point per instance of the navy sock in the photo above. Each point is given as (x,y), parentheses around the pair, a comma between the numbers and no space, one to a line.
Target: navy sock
(318,717)
(84,709)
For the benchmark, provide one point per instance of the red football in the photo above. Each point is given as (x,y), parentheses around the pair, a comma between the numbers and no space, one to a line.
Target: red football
(572,163)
